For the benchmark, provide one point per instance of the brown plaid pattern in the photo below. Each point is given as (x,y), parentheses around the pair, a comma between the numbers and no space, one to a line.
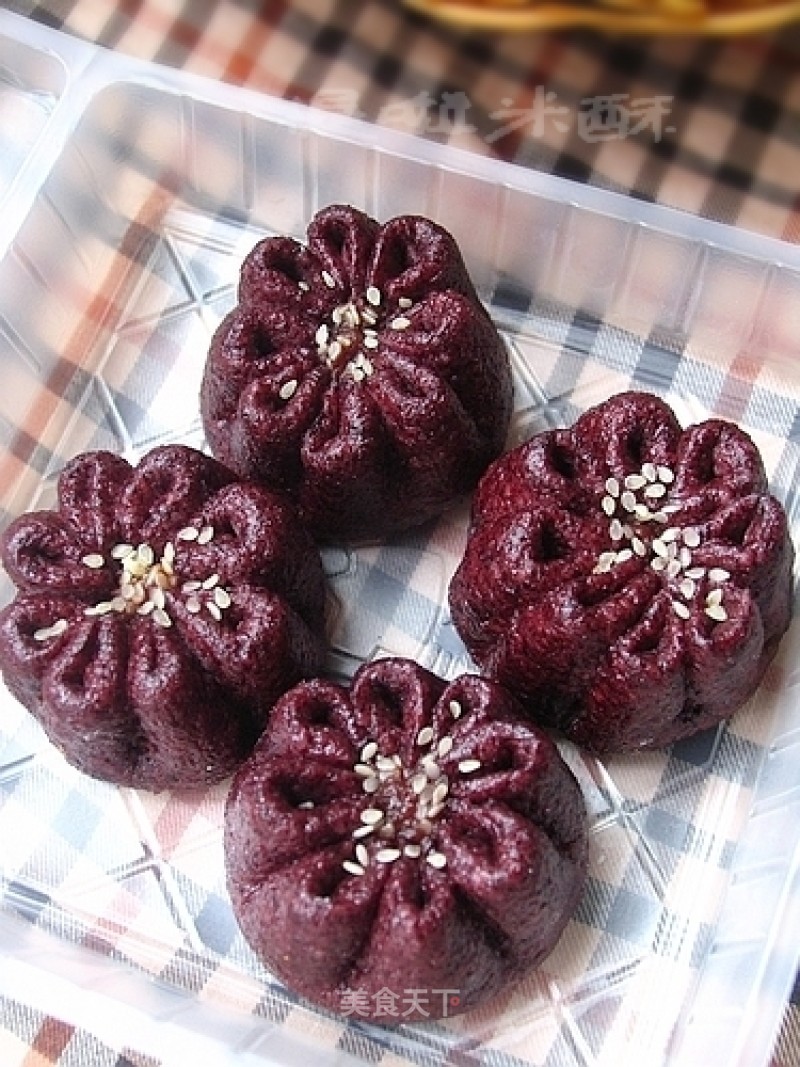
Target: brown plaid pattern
(709,127)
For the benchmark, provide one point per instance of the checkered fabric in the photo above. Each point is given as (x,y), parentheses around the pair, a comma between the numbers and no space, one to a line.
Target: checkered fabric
(711,127)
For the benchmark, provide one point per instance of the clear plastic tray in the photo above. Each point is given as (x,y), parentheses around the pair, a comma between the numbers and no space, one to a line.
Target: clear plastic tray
(129,196)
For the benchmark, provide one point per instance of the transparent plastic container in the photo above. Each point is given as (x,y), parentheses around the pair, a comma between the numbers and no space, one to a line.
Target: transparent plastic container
(128,197)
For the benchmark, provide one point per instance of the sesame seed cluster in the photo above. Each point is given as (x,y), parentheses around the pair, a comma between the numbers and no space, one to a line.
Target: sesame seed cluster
(639,511)
(405,803)
(144,579)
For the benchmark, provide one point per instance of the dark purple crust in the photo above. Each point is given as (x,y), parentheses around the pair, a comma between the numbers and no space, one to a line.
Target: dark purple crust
(125,698)
(363,459)
(513,834)
(618,657)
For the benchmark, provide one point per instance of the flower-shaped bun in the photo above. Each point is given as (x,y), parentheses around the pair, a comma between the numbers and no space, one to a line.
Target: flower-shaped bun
(404,848)
(160,612)
(628,579)
(359,373)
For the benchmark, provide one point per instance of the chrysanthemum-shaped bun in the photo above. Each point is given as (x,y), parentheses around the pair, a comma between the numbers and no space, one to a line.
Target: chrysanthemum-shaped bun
(629,580)
(403,834)
(161,611)
(359,373)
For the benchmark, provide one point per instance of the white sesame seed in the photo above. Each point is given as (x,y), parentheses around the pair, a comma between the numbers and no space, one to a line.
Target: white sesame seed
(54,630)
(650,471)
(413,851)
(369,751)
(687,588)
(436,859)
(638,546)
(303,286)
(400,323)
(146,609)
(660,548)
(353,868)
(418,783)
(222,598)
(425,736)
(432,769)
(364,770)
(628,500)
(716,612)
(369,316)
(714,598)
(372,816)
(405,302)
(193,605)
(608,504)
(205,535)
(672,533)
(643,513)
(445,745)
(655,490)
(121,551)
(635,481)
(160,616)
(673,568)
(321,336)
(157,596)
(615,530)
(695,572)
(386,765)
(356,373)
(210,581)
(659,563)
(362,855)
(128,591)
(440,792)
(93,560)
(467,766)
(362,831)
(306,805)
(373,295)
(213,610)
(624,555)
(455,709)
(612,486)
(718,574)
(665,474)
(387,855)
(168,555)
(371,785)
(327,277)
(146,555)
(288,389)
(188,533)
(370,341)
(680,609)
(691,537)
(685,557)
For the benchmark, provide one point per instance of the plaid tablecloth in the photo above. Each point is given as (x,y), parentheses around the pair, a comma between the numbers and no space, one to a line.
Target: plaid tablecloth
(710,127)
